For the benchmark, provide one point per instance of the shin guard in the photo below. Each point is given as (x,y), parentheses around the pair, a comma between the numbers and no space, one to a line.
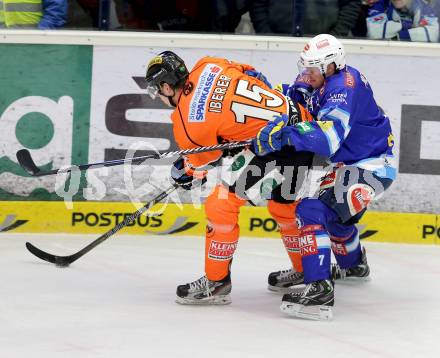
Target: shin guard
(284,215)
(222,208)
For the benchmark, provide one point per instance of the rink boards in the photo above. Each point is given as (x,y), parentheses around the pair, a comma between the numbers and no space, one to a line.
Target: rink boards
(186,219)
(85,101)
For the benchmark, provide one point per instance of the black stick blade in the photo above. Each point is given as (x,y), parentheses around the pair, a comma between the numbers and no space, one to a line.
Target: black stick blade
(61,261)
(27,163)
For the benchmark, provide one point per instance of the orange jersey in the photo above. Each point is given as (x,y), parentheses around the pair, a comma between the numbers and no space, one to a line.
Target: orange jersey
(220,102)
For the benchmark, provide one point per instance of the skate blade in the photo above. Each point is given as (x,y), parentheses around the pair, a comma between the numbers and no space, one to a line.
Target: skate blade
(290,289)
(213,300)
(317,313)
(353,280)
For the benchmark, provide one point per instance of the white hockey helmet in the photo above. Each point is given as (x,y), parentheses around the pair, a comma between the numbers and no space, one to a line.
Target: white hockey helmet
(321,51)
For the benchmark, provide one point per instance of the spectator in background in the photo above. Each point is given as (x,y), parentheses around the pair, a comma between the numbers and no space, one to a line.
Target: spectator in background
(360,29)
(227,14)
(408,20)
(83,14)
(336,17)
(181,15)
(163,15)
(41,14)
(437,7)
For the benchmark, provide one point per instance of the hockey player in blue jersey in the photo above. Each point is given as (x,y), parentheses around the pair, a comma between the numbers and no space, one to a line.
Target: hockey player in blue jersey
(355,135)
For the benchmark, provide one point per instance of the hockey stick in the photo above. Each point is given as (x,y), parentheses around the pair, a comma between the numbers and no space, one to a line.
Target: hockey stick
(27,163)
(63,261)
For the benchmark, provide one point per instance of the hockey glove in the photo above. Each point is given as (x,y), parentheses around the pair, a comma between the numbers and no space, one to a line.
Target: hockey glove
(185,177)
(269,138)
(282,88)
(258,76)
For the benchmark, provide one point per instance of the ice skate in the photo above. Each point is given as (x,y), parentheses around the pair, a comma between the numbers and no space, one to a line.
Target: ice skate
(285,281)
(360,272)
(315,302)
(205,292)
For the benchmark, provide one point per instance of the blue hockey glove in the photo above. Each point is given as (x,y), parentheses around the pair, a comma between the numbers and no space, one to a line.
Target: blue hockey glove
(258,76)
(269,138)
(183,178)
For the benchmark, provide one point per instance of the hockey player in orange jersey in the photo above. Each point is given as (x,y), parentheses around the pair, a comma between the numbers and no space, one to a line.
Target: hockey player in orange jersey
(218,101)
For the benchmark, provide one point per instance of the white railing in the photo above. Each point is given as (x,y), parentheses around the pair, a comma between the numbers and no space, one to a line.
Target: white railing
(209,41)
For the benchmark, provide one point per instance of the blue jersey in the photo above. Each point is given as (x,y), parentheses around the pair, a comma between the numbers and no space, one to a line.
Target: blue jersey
(349,128)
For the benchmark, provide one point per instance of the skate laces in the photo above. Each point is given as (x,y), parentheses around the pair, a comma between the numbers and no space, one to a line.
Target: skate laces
(201,284)
(311,287)
(289,273)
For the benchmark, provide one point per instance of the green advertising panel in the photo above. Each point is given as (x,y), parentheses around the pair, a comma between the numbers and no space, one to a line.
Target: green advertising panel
(44,107)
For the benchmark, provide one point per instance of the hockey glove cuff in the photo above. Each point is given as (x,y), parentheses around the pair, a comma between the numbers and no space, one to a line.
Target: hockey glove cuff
(185,176)
(269,138)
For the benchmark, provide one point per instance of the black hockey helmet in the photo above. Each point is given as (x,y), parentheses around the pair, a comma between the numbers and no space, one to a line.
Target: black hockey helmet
(165,67)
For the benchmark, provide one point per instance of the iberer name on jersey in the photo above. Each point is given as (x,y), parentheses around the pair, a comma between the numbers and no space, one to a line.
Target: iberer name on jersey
(218,94)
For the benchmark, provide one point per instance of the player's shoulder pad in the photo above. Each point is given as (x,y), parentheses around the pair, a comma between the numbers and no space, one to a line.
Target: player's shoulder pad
(344,81)
(209,59)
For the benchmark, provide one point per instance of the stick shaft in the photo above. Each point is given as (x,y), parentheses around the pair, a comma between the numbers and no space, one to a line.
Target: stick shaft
(67,260)
(28,164)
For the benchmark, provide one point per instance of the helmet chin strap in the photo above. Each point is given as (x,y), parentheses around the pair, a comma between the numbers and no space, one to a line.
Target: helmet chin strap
(325,73)
(170,99)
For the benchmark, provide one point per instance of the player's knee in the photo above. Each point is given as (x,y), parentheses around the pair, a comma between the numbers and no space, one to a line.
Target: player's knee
(340,231)
(275,209)
(283,213)
(222,229)
(281,210)
(221,213)
(313,212)
(223,210)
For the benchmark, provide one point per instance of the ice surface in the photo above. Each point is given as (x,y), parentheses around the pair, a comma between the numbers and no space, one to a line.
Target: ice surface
(118,301)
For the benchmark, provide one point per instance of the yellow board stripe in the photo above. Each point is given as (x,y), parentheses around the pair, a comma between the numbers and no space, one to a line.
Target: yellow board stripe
(99,217)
